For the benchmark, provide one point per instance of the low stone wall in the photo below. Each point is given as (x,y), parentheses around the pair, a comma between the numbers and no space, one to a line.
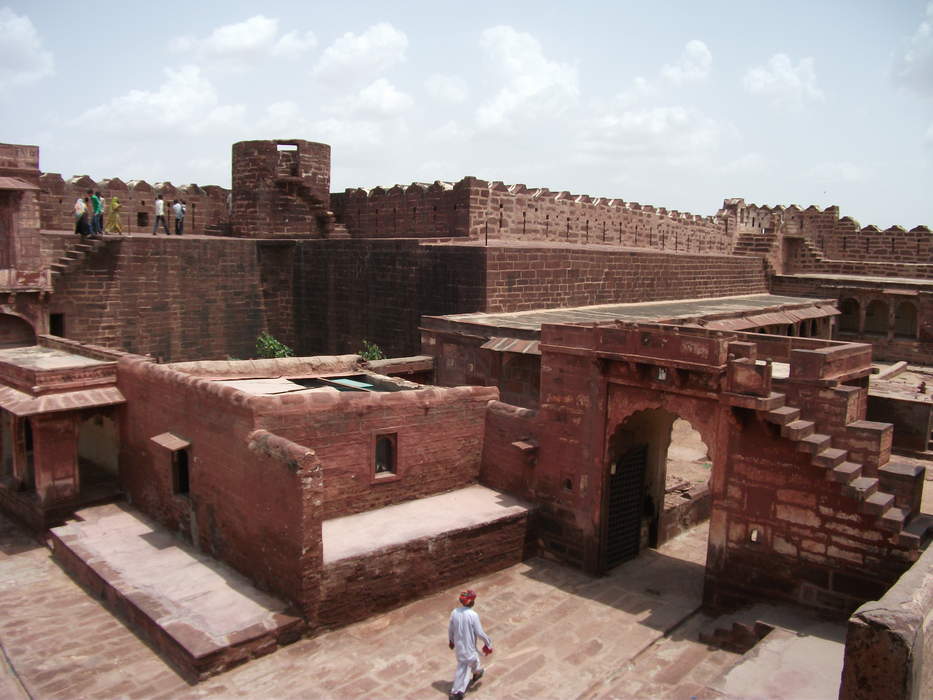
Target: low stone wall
(691,511)
(889,645)
(358,587)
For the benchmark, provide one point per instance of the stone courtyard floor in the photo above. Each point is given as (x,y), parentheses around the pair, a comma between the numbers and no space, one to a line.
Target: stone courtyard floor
(557,634)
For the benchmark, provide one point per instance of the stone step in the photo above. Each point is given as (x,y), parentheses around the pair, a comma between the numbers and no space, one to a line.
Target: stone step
(830,457)
(893,519)
(917,531)
(200,640)
(861,487)
(814,443)
(877,503)
(782,415)
(798,429)
(845,473)
(57,267)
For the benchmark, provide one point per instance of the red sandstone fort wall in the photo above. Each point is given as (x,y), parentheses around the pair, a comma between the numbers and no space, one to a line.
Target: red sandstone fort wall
(838,239)
(517,212)
(485,210)
(419,210)
(342,430)
(521,279)
(173,298)
(349,290)
(206,213)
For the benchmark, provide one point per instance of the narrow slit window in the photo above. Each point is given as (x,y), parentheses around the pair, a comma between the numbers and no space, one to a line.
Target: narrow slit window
(181,480)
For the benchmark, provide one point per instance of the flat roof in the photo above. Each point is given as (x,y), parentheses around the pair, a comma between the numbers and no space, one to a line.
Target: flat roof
(645,311)
(39,357)
(909,281)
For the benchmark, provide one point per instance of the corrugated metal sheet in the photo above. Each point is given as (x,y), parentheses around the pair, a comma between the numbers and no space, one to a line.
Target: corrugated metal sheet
(812,312)
(774,318)
(515,345)
(730,324)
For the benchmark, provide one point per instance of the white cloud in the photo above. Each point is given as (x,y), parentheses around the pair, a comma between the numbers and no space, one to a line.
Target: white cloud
(784,83)
(839,171)
(287,117)
(747,163)
(694,64)
(676,134)
(254,36)
(448,132)
(294,44)
(534,86)
(355,57)
(22,58)
(186,102)
(377,100)
(928,137)
(447,88)
(915,66)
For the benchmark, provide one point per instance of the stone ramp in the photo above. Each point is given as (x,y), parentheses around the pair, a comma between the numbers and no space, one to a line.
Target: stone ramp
(201,615)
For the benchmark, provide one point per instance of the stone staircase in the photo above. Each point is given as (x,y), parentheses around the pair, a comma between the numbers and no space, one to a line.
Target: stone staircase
(758,245)
(74,255)
(875,488)
(339,231)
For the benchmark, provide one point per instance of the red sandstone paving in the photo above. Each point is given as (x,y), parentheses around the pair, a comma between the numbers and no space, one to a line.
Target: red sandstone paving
(558,634)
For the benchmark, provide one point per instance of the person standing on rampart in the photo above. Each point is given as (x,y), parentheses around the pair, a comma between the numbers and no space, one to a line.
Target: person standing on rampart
(80,212)
(159,215)
(97,201)
(462,632)
(113,216)
(178,210)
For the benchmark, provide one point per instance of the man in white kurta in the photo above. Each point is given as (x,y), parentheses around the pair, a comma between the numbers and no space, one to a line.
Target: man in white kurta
(462,632)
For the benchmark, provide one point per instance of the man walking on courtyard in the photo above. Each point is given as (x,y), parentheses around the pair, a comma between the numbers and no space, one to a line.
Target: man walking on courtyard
(462,631)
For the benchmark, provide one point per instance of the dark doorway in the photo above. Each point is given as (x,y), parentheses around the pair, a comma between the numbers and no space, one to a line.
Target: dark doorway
(625,506)
(57,325)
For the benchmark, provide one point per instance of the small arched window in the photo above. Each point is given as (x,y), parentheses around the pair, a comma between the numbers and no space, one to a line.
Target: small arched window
(385,454)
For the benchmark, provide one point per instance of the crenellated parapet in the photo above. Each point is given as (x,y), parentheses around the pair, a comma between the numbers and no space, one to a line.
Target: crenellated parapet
(207,205)
(519,212)
(835,238)
(419,210)
(483,210)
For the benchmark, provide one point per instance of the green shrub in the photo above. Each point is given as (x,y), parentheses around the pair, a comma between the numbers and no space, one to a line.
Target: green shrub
(267,347)
(371,351)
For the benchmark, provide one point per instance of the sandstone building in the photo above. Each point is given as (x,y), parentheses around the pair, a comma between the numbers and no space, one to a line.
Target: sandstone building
(541,346)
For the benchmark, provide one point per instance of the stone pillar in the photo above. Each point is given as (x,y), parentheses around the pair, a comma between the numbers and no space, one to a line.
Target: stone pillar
(55,446)
(20,460)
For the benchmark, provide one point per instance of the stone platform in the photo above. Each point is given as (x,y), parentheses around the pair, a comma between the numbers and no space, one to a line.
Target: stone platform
(202,616)
(377,560)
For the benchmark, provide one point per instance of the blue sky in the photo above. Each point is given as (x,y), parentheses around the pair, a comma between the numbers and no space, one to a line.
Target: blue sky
(675,104)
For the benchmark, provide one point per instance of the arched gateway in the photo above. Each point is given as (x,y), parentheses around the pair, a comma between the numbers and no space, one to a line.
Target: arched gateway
(805,503)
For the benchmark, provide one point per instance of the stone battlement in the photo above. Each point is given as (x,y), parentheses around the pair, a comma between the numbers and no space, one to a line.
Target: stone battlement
(207,204)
